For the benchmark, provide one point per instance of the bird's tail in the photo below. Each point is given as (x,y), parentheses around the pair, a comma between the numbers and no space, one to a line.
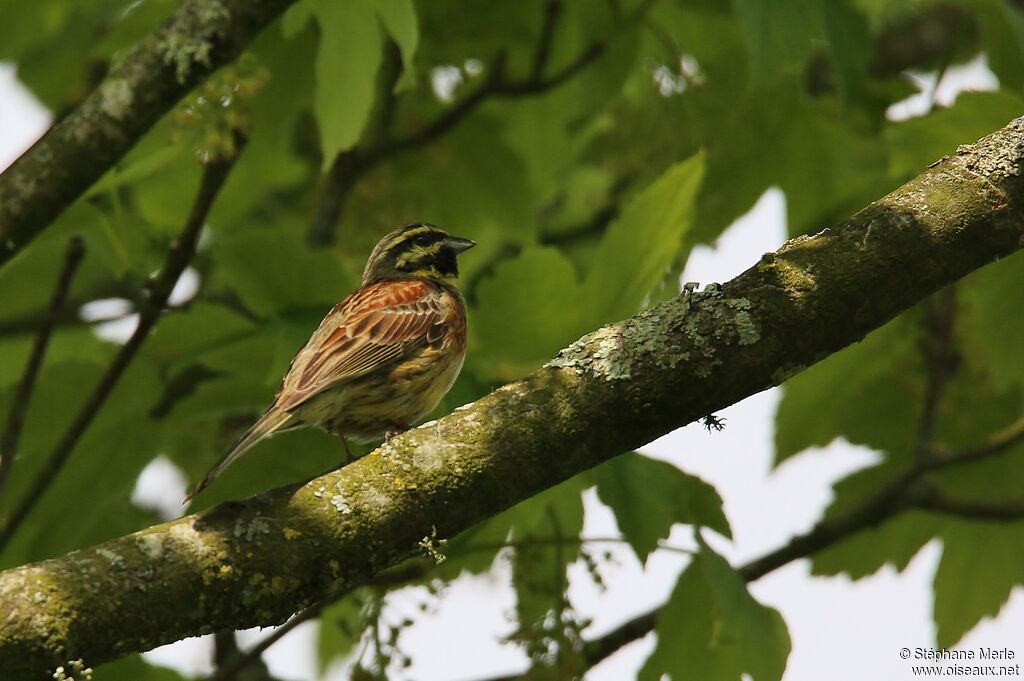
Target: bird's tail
(271,422)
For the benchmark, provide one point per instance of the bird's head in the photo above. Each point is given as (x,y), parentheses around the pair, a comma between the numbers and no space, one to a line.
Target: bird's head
(418,250)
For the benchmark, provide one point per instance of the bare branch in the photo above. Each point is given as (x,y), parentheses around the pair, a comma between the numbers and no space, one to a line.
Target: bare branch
(941,361)
(158,291)
(229,667)
(552,11)
(407,573)
(999,443)
(904,492)
(12,433)
(931,499)
(349,166)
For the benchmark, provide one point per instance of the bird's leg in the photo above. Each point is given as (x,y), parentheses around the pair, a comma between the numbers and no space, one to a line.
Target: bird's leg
(397,428)
(348,452)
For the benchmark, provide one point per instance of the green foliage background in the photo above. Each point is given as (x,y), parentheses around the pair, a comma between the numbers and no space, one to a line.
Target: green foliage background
(608,139)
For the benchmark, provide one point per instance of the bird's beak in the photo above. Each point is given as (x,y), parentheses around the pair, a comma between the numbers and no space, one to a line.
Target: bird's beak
(458,244)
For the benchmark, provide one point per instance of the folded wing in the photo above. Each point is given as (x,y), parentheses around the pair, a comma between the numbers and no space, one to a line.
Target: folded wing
(376,326)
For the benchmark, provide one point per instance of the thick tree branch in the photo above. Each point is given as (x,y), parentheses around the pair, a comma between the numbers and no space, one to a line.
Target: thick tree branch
(258,561)
(158,292)
(201,36)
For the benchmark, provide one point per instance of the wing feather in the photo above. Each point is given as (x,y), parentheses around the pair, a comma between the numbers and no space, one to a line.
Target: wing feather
(375,326)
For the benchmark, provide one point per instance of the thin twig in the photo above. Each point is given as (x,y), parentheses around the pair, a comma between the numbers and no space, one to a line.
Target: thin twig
(905,491)
(68,315)
(552,10)
(597,222)
(997,444)
(142,85)
(932,499)
(492,84)
(157,291)
(230,667)
(346,169)
(400,576)
(349,166)
(16,417)
(941,361)
(900,494)
(495,85)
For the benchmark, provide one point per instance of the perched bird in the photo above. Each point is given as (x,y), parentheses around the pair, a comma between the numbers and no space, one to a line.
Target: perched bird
(384,356)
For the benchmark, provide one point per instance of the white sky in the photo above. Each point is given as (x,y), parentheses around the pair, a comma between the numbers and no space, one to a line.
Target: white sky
(842,631)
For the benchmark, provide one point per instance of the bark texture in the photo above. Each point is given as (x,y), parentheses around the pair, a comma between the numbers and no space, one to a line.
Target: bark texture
(200,37)
(256,562)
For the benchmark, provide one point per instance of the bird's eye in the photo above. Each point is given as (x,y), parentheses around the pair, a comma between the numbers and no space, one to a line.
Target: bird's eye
(423,240)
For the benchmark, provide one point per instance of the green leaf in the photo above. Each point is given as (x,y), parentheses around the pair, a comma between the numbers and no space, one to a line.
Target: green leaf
(866,393)
(827,167)
(1001,24)
(74,344)
(250,358)
(849,46)
(134,668)
(533,526)
(538,129)
(527,311)
(978,570)
(894,542)
(88,500)
(779,35)
(981,561)
(399,19)
(712,629)
(341,627)
(541,559)
(28,281)
(347,62)
(531,307)
(981,564)
(648,497)
(637,250)
(498,209)
(184,335)
(273,271)
(296,18)
(53,43)
(135,169)
(586,192)
(993,298)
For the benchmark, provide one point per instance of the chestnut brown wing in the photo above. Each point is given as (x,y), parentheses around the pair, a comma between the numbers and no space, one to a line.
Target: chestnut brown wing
(376,326)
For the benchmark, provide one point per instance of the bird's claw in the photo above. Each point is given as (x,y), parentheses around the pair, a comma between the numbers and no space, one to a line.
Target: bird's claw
(396,429)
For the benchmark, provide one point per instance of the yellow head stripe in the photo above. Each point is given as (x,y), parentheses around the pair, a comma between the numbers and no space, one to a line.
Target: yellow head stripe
(412,233)
(417,253)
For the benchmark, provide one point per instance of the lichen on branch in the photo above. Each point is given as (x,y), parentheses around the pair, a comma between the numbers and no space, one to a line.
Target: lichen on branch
(199,37)
(258,561)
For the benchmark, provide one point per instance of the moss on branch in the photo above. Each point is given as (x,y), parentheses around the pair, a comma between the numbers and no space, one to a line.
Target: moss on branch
(258,561)
(195,40)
